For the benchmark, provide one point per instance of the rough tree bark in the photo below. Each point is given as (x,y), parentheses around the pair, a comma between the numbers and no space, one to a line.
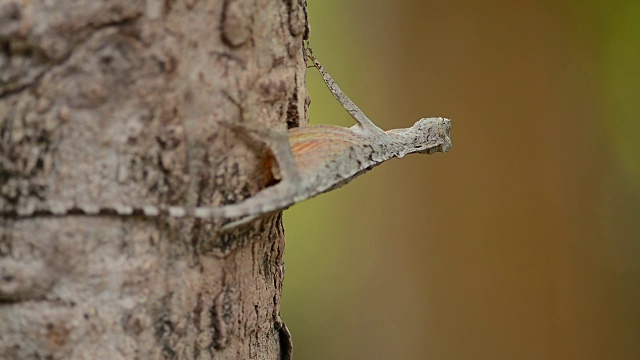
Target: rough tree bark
(120,102)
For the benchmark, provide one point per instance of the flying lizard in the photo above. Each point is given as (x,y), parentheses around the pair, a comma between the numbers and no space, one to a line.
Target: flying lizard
(312,160)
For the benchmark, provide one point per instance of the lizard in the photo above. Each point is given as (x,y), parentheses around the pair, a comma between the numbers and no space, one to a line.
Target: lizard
(312,160)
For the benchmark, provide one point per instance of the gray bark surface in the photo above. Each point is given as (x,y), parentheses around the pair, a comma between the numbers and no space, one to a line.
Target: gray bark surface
(120,102)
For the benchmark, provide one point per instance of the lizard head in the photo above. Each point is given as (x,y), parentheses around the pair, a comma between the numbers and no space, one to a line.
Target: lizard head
(430,135)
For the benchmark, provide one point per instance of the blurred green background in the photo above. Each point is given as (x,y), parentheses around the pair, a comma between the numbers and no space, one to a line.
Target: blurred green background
(521,243)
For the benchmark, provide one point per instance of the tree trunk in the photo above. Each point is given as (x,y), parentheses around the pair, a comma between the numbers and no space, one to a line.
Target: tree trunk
(124,103)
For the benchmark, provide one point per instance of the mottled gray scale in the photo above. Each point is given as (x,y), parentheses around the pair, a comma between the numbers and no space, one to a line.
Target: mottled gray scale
(315,160)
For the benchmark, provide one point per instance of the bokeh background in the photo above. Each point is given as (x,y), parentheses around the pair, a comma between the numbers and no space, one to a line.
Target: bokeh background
(521,243)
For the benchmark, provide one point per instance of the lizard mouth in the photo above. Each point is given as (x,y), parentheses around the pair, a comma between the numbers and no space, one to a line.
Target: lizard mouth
(443,146)
(446,145)
(444,140)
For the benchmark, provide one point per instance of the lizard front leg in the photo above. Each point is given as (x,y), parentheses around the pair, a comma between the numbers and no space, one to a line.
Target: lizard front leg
(363,122)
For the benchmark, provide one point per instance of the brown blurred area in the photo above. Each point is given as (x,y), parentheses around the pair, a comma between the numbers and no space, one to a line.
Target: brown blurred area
(523,242)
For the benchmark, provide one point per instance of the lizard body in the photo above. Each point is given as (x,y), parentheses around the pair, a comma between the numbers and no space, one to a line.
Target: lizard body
(312,160)
(328,157)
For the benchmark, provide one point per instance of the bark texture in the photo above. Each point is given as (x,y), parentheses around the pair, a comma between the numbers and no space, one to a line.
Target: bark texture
(124,102)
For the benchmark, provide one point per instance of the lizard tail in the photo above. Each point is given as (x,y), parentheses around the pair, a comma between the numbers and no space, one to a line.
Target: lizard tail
(266,201)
